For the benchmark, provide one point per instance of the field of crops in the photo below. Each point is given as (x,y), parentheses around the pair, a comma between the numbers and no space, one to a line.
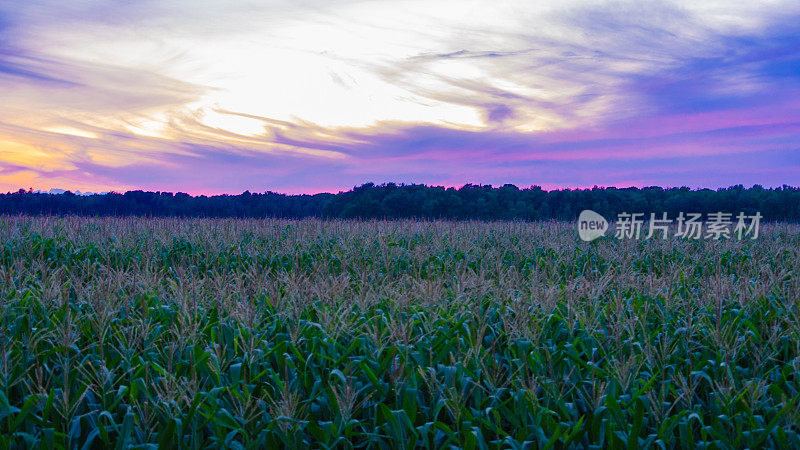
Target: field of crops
(273,334)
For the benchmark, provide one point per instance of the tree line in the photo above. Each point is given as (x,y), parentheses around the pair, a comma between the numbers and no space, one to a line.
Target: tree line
(394,201)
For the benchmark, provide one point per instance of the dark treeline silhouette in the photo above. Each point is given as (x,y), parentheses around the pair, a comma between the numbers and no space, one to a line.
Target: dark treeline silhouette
(393,201)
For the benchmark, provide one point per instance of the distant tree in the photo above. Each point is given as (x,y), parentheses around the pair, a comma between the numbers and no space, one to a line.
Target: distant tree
(420,201)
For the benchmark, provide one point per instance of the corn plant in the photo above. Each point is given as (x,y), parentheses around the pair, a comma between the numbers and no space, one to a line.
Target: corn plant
(209,333)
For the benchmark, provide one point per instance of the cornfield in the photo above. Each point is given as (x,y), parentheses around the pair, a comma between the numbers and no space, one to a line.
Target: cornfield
(194,333)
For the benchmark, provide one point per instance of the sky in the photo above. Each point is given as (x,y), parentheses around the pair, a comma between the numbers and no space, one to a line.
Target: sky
(306,96)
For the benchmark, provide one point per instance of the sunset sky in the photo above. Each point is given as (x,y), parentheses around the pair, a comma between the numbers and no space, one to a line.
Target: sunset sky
(310,96)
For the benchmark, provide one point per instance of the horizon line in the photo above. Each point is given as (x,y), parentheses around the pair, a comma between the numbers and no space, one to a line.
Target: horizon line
(60,191)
